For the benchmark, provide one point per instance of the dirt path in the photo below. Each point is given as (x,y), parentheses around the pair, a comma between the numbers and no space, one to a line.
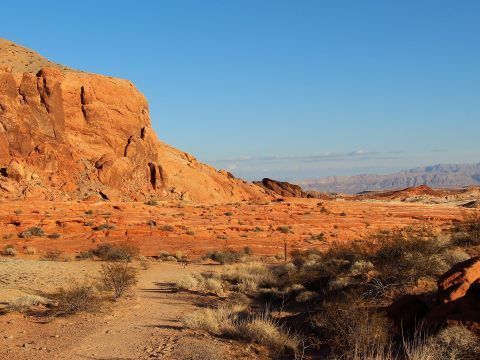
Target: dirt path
(145,326)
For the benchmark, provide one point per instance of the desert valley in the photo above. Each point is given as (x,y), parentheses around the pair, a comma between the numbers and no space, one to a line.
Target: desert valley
(116,245)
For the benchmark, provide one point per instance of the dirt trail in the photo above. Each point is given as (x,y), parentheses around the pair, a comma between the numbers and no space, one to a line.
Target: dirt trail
(144,329)
(145,326)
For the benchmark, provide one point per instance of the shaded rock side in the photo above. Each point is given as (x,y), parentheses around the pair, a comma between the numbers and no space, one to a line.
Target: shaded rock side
(282,188)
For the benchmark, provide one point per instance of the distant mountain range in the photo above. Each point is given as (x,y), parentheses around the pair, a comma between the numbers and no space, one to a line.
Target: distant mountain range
(436,176)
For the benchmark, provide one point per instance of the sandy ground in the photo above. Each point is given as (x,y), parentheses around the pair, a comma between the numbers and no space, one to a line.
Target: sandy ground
(144,326)
(196,229)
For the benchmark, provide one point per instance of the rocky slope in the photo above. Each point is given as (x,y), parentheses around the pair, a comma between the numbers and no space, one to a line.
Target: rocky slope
(66,134)
(437,176)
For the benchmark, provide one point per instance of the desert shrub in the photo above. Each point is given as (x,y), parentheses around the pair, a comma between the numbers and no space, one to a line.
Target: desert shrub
(119,277)
(84,255)
(168,228)
(30,250)
(283,229)
(216,321)
(76,298)
(190,348)
(115,252)
(248,277)
(454,343)
(467,231)
(405,256)
(9,250)
(25,302)
(307,296)
(257,229)
(224,257)
(202,283)
(267,331)
(180,256)
(53,236)
(352,329)
(190,232)
(318,237)
(226,321)
(102,227)
(247,250)
(151,202)
(89,212)
(32,231)
(52,255)
(228,213)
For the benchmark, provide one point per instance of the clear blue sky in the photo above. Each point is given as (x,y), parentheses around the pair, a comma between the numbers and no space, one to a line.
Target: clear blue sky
(288,89)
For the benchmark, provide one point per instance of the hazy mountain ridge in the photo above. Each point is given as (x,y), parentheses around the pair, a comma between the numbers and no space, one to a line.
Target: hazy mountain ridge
(436,176)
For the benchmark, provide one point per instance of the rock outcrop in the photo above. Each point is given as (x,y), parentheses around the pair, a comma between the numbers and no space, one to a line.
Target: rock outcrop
(282,188)
(67,134)
(456,302)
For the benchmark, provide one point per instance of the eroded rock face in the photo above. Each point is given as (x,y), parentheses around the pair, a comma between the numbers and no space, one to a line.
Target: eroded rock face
(283,188)
(66,134)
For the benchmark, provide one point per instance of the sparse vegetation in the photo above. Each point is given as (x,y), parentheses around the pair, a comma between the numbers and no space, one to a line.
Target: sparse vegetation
(32,231)
(111,252)
(78,297)
(151,202)
(167,228)
(52,255)
(105,226)
(467,231)
(343,290)
(9,250)
(118,277)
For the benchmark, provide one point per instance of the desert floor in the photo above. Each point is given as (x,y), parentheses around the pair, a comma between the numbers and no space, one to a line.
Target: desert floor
(197,229)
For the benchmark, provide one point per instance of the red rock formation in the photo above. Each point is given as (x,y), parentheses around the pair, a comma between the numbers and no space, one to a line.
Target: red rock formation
(66,134)
(457,301)
(283,188)
(455,283)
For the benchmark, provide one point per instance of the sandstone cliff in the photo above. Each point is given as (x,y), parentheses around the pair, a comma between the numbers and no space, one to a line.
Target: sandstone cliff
(67,134)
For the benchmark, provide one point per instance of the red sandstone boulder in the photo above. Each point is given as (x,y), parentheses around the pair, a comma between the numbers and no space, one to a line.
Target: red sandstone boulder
(455,283)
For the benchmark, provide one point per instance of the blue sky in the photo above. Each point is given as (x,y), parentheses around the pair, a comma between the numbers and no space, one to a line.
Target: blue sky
(287,89)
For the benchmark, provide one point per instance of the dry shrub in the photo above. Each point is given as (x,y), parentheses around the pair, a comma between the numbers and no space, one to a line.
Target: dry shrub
(225,257)
(244,278)
(115,252)
(227,321)
(76,298)
(201,283)
(352,329)
(216,321)
(407,255)
(267,331)
(452,343)
(119,277)
(467,231)
(30,250)
(9,250)
(248,277)
(52,255)
(190,348)
(25,302)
